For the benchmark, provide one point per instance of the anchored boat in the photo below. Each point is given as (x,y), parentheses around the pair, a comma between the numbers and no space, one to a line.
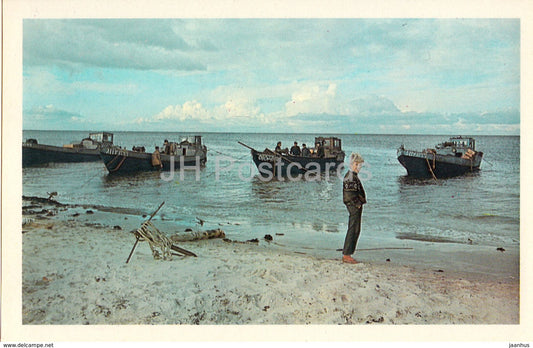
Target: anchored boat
(327,155)
(189,152)
(454,157)
(87,150)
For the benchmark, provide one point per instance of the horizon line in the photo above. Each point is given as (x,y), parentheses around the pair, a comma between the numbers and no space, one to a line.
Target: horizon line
(249,132)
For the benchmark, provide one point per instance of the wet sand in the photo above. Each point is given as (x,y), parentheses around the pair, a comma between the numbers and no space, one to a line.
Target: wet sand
(74,272)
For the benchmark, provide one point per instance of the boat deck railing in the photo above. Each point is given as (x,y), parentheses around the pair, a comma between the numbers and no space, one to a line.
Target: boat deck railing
(415,153)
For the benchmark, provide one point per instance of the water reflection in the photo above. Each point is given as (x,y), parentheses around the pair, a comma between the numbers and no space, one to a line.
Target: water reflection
(268,191)
(131,179)
(325,227)
(306,192)
(144,177)
(409,180)
(412,181)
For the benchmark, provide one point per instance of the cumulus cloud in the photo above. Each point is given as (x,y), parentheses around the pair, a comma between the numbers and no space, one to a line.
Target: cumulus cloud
(232,112)
(189,110)
(374,105)
(312,99)
(311,113)
(237,107)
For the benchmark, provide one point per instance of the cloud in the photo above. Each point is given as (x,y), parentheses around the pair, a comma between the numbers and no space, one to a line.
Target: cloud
(233,112)
(40,82)
(50,112)
(374,106)
(192,110)
(238,107)
(312,98)
(52,117)
(121,44)
(312,113)
(235,115)
(362,75)
(155,33)
(507,116)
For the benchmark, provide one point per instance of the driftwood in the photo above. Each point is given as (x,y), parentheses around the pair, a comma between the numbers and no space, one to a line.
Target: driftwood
(182,251)
(36,200)
(190,236)
(156,240)
(48,200)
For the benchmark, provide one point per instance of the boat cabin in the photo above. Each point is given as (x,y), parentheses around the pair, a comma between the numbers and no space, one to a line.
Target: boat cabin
(188,146)
(456,146)
(102,137)
(332,145)
(93,141)
(191,139)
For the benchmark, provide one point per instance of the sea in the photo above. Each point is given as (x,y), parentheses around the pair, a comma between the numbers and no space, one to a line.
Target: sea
(464,224)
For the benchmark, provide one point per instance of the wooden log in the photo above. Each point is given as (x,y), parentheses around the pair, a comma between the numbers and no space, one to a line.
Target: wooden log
(182,251)
(200,235)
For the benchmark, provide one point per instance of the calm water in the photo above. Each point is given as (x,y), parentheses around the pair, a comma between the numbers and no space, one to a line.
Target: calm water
(479,210)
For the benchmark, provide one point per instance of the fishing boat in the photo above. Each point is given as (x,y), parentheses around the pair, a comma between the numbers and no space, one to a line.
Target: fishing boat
(87,150)
(454,157)
(187,153)
(282,163)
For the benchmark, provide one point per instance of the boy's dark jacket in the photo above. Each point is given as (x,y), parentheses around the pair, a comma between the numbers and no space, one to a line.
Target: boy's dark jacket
(353,192)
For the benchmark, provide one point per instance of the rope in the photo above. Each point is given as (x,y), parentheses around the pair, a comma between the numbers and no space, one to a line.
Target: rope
(223,154)
(118,166)
(429,166)
(156,240)
(487,161)
(108,163)
(92,177)
(220,153)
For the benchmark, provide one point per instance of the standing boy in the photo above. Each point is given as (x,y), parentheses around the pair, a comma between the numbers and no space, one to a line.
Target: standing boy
(353,196)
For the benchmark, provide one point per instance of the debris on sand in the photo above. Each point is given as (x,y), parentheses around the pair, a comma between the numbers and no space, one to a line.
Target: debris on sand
(200,235)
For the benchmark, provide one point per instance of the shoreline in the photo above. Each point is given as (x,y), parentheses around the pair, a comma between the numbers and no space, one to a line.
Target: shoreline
(74,272)
(466,260)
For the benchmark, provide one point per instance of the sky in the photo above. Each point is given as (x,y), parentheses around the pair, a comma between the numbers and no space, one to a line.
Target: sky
(364,76)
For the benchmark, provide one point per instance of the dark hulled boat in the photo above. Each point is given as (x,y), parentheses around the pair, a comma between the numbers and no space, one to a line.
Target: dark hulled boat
(272,164)
(451,158)
(87,150)
(189,152)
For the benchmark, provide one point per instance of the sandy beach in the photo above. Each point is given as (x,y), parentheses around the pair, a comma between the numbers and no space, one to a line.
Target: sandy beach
(74,272)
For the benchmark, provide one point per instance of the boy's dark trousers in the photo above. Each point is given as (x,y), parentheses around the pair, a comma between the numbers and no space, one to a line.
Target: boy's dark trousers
(354,229)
